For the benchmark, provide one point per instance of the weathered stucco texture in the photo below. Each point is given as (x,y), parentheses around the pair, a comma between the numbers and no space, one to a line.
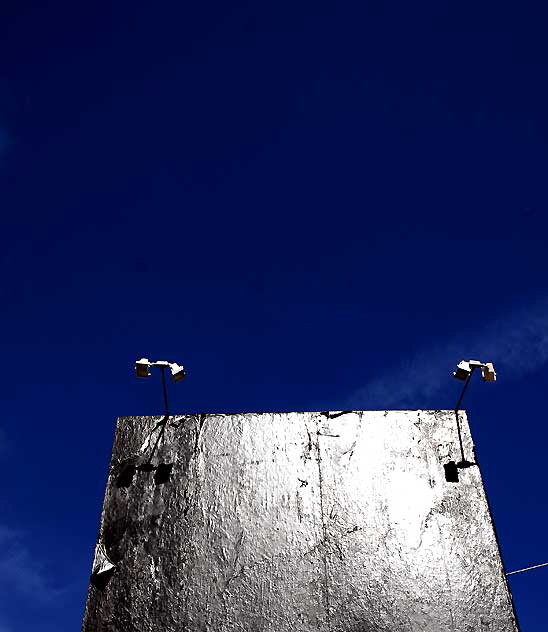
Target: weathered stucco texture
(296,521)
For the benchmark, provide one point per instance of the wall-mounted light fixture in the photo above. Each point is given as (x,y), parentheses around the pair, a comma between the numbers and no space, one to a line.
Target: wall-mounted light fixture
(178,374)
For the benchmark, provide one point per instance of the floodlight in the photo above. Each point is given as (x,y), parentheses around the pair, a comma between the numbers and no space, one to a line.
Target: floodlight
(463,370)
(177,372)
(488,372)
(142,368)
(475,363)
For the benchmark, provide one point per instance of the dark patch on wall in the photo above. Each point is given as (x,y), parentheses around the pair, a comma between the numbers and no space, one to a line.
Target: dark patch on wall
(126,474)
(146,467)
(101,580)
(162,474)
(451,472)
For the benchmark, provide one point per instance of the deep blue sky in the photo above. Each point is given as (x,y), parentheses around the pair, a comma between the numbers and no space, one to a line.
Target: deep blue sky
(310,205)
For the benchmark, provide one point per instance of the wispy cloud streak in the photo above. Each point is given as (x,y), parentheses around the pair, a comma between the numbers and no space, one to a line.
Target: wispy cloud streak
(517,343)
(21,572)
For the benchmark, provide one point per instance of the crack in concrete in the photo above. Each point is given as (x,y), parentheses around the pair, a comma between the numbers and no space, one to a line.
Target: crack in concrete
(324,528)
(330,415)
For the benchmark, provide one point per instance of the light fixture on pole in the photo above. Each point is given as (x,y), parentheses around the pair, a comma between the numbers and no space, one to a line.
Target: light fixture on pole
(465,369)
(142,369)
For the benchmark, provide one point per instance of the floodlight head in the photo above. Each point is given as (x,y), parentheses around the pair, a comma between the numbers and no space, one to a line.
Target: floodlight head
(142,368)
(463,370)
(476,364)
(177,372)
(488,372)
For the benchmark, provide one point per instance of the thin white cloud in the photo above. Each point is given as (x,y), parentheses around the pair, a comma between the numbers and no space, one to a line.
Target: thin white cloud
(517,343)
(22,573)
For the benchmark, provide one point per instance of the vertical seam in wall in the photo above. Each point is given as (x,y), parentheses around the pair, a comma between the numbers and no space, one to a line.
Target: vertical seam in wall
(324,529)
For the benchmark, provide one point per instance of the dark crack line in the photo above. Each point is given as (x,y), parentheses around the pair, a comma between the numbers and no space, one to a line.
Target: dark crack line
(324,532)
(330,415)
(448,578)
(163,423)
(200,422)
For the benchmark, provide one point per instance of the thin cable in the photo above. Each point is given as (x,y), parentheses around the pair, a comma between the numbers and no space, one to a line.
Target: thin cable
(529,568)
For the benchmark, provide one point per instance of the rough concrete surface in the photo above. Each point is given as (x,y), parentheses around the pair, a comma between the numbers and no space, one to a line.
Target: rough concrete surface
(296,521)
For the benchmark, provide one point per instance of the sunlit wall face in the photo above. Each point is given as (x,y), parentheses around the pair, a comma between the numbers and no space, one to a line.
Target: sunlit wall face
(284,521)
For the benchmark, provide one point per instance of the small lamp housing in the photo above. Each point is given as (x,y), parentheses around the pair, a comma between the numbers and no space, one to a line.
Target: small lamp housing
(463,370)
(488,372)
(142,368)
(178,373)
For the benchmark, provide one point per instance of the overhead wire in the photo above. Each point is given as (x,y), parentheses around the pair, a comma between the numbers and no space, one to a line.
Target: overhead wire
(529,568)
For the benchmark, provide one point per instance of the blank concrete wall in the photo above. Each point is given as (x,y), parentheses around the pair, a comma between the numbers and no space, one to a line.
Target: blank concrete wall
(296,521)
